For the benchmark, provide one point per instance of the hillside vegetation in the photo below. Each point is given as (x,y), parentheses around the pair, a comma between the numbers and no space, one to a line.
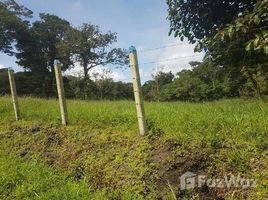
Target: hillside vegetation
(101,156)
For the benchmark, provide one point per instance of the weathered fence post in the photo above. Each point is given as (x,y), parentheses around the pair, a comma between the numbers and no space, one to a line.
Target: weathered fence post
(14,93)
(133,58)
(61,93)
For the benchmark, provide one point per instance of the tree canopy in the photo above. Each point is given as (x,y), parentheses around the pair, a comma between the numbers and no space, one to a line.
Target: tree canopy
(232,33)
(38,49)
(12,24)
(199,19)
(92,48)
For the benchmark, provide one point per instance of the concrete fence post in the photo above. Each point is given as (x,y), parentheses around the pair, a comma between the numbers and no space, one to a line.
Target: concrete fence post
(133,58)
(61,93)
(14,93)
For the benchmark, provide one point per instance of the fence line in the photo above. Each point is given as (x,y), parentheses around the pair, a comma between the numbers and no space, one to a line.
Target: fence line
(164,47)
(171,59)
(133,57)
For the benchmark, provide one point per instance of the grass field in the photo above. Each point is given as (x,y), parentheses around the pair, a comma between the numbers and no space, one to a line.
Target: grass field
(101,148)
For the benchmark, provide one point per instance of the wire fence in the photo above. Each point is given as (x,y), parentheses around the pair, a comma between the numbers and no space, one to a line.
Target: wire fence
(49,87)
(163,47)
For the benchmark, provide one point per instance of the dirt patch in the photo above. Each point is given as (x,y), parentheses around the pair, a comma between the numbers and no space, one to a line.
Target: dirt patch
(34,129)
(173,160)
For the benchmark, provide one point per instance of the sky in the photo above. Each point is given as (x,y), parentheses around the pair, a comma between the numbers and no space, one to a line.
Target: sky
(141,23)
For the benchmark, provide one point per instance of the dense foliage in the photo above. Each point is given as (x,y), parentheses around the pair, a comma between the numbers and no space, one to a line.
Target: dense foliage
(246,44)
(102,87)
(202,82)
(199,19)
(12,24)
(38,49)
(233,34)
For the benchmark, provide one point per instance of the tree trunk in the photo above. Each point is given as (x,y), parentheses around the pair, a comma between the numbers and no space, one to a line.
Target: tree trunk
(86,76)
(86,79)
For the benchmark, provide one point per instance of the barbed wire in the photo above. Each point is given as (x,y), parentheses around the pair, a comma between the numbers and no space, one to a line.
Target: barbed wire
(190,56)
(183,43)
(170,59)
(163,47)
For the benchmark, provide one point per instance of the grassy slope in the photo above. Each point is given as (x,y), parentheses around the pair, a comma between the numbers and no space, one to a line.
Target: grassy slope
(101,145)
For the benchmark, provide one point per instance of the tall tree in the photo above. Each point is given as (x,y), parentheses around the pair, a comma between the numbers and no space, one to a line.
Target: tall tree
(42,45)
(92,48)
(12,24)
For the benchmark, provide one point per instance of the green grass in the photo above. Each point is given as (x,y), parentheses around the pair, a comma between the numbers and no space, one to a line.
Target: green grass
(228,136)
(238,120)
(31,180)
(232,116)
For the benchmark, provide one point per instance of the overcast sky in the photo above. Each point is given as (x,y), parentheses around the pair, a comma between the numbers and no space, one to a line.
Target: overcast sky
(141,23)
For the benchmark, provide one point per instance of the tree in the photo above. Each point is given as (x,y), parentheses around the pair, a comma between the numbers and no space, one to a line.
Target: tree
(149,90)
(15,8)
(203,82)
(238,42)
(246,41)
(4,82)
(78,87)
(91,48)
(122,90)
(249,32)
(104,83)
(12,24)
(163,78)
(102,86)
(152,88)
(201,19)
(42,45)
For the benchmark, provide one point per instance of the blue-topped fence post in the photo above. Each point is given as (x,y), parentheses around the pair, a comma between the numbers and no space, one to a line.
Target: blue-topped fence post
(133,58)
(61,93)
